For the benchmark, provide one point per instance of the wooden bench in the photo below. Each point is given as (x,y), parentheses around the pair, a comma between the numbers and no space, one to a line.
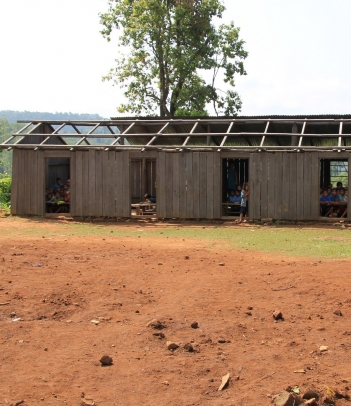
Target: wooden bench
(231,209)
(144,208)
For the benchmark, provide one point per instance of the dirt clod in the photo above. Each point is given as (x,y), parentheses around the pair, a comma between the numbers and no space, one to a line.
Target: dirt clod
(194,324)
(156,324)
(188,347)
(106,360)
(171,345)
(277,315)
(338,313)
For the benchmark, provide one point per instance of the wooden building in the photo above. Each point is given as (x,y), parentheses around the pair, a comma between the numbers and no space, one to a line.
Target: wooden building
(183,162)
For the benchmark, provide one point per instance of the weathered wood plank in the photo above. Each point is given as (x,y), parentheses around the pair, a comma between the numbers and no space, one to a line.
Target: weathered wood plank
(111,204)
(15,182)
(34,188)
(22,180)
(286,187)
(190,186)
(27,186)
(264,185)
(98,180)
(85,188)
(41,183)
(92,183)
(278,186)
(196,185)
(105,183)
(77,203)
(271,185)
(255,186)
(55,154)
(161,186)
(299,186)
(293,187)
(169,185)
(176,185)
(210,185)
(119,183)
(314,189)
(307,185)
(203,185)
(126,184)
(349,188)
(217,186)
(182,185)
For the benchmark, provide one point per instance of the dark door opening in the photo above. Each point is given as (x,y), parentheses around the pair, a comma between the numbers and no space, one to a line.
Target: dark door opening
(235,172)
(58,185)
(334,180)
(143,186)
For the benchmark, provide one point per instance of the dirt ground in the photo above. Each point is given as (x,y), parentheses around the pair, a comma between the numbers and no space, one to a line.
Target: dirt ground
(66,300)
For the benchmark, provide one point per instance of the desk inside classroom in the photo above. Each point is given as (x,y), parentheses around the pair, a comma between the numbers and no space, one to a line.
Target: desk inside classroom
(144,208)
(231,209)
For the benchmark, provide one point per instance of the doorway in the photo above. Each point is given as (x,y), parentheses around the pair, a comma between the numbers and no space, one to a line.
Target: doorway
(235,172)
(58,185)
(143,186)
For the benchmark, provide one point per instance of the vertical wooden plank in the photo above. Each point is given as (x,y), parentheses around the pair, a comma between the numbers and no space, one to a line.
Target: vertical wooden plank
(196,184)
(21,182)
(307,185)
(203,185)
(73,200)
(314,188)
(264,185)
(278,186)
(299,186)
(190,186)
(182,185)
(98,184)
(41,183)
(15,182)
(255,182)
(78,184)
(161,185)
(176,186)
(85,188)
(271,185)
(210,185)
(286,186)
(119,183)
(105,184)
(126,209)
(92,183)
(169,185)
(292,186)
(34,183)
(217,185)
(28,156)
(349,189)
(111,204)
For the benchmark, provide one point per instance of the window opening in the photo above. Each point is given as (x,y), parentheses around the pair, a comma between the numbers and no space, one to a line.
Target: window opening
(58,185)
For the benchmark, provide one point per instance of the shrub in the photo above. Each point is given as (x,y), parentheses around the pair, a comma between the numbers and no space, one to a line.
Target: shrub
(5,191)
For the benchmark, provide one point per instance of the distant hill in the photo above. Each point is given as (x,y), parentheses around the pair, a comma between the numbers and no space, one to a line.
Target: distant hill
(12,116)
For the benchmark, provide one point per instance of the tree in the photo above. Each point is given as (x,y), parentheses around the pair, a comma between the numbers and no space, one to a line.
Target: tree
(170,44)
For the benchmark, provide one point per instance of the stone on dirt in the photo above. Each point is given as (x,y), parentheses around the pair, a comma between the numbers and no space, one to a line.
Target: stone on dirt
(277,315)
(172,345)
(287,399)
(323,348)
(87,402)
(225,381)
(188,347)
(327,400)
(106,360)
(156,324)
(194,324)
(159,335)
(338,312)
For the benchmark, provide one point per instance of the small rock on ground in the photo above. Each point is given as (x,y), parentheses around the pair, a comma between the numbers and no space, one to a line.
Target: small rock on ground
(172,345)
(106,360)
(194,324)
(277,315)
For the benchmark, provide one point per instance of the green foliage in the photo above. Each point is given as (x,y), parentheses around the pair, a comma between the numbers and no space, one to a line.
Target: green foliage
(5,191)
(170,44)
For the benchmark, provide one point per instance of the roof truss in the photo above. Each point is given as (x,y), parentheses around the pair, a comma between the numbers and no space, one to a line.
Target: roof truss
(251,134)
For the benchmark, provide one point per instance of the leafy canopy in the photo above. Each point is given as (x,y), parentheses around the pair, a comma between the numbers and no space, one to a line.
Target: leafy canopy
(169,45)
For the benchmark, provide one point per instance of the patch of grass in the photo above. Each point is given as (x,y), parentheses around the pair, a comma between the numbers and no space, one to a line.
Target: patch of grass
(313,242)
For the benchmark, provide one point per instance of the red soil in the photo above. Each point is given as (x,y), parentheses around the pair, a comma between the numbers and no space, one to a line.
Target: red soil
(51,355)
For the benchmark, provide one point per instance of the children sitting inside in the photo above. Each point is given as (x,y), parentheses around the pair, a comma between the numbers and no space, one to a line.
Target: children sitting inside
(149,198)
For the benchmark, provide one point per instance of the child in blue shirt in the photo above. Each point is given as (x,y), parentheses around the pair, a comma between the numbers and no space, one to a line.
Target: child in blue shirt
(244,204)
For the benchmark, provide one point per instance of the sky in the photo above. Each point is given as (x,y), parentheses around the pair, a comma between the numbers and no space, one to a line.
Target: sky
(53,56)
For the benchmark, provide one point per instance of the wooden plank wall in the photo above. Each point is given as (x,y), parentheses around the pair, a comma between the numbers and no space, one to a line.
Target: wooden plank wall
(188,185)
(100,184)
(28,180)
(284,186)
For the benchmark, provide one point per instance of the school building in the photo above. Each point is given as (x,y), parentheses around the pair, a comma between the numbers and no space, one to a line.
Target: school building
(183,162)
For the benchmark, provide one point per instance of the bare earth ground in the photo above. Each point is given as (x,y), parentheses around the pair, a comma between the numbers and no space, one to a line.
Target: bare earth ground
(51,355)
